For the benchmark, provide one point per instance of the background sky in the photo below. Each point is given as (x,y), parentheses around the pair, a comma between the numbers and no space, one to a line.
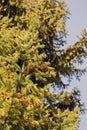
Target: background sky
(75,25)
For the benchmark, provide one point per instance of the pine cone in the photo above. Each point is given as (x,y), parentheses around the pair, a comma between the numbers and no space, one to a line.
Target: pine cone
(44,67)
(30,68)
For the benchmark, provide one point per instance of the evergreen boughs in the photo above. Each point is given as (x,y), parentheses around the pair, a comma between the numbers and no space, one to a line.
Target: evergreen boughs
(32,61)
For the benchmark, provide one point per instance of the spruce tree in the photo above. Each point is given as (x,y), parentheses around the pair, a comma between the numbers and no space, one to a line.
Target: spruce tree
(32,64)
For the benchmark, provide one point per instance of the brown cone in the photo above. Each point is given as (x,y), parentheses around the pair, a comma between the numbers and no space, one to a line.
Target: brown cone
(44,67)
(30,68)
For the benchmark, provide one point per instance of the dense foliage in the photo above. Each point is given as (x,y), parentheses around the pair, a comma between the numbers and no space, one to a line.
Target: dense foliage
(32,64)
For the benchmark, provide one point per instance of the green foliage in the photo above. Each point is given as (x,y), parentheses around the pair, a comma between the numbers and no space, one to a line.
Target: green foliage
(32,61)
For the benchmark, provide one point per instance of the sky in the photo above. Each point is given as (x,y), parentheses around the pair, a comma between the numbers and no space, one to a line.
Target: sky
(75,25)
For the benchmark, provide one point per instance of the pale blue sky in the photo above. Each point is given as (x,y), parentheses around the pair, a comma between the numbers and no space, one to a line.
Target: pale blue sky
(77,22)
